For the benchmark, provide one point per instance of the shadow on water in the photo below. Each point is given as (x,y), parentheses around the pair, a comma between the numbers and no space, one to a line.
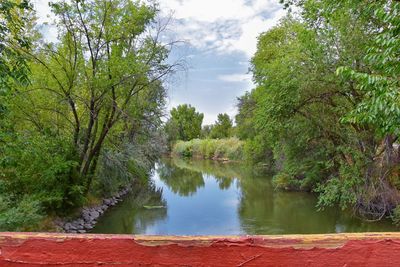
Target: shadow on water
(202,197)
(131,215)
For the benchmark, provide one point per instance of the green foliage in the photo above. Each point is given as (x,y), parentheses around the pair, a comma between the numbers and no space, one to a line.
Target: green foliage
(246,106)
(222,127)
(396,216)
(380,85)
(24,215)
(345,189)
(206,131)
(183,148)
(88,121)
(184,124)
(219,149)
(13,65)
(284,181)
(329,134)
(256,151)
(40,167)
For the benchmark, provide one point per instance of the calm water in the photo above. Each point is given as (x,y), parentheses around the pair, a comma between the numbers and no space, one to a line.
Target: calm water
(210,198)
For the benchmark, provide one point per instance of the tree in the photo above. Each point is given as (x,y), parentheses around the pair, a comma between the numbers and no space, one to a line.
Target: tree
(310,118)
(246,106)
(222,127)
(13,17)
(380,84)
(206,131)
(88,87)
(16,212)
(13,64)
(184,123)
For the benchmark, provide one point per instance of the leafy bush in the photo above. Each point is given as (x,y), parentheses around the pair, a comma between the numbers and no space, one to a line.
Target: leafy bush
(183,149)
(284,181)
(41,166)
(22,216)
(396,215)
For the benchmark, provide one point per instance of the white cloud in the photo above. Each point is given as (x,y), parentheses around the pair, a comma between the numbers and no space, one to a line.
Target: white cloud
(43,10)
(224,26)
(45,19)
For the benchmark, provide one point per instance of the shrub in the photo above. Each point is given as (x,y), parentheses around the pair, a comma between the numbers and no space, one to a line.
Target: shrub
(283,181)
(182,149)
(396,215)
(24,215)
(231,149)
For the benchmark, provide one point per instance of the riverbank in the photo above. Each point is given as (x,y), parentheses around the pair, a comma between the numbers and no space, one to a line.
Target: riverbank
(89,215)
(231,149)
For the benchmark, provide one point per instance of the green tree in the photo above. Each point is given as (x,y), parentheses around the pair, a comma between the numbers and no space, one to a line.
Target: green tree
(222,127)
(89,119)
(380,84)
(13,18)
(304,113)
(206,131)
(91,82)
(246,105)
(184,123)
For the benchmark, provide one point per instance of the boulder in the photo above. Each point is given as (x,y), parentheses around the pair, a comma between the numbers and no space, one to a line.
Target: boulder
(68,226)
(94,214)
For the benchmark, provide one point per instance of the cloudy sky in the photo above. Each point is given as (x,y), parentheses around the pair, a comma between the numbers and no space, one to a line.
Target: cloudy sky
(220,38)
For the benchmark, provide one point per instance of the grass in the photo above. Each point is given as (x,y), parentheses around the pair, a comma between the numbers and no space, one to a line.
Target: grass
(216,149)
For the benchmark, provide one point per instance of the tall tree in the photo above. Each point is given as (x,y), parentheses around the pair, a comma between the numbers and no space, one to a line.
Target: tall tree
(246,105)
(89,85)
(184,124)
(325,131)
(222,127)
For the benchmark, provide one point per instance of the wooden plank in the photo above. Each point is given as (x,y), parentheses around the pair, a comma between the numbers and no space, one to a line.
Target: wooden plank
(48,249)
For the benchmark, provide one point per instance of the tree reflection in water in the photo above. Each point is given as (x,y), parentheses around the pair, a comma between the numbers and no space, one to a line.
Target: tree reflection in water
(182,181)
(234,199)
(131,215)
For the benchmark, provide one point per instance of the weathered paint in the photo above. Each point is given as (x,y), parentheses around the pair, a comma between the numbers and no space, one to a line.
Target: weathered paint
(40,249)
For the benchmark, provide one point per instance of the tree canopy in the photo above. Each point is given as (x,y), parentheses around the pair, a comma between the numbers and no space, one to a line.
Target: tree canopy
(326,103)
(184,124)
(222,127)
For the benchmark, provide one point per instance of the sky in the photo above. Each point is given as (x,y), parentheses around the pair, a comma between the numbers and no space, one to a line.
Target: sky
(220,37)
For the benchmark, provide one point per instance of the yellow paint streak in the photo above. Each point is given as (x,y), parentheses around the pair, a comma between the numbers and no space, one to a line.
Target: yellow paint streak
(276,241)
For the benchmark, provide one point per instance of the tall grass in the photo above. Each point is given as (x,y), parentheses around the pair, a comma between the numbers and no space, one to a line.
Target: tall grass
(217,149)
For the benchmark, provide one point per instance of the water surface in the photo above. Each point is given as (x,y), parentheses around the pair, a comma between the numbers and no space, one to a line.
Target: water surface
(211,198)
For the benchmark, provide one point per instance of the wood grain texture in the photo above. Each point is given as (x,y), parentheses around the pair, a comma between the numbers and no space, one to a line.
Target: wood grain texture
(46,249)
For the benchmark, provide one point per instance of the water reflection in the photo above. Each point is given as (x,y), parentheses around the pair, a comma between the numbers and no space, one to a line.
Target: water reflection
(132,216)
(206,197)
(187,184)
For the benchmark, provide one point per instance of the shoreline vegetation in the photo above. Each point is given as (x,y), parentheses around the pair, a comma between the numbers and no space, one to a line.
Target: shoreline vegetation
(230,149)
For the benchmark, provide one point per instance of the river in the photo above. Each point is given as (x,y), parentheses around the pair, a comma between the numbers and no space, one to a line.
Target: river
(202,197)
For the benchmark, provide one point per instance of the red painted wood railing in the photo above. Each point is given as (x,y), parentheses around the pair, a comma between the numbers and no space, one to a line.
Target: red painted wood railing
(40,249)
